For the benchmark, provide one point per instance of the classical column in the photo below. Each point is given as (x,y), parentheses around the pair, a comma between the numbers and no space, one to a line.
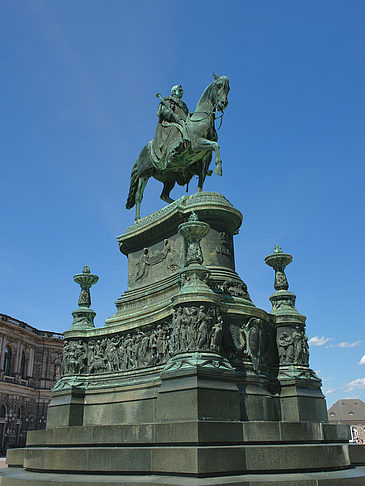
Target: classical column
(2,347)
(30,363)
(44,364)
(18,359)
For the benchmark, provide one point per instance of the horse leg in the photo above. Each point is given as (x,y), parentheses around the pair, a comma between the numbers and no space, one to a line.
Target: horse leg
(203,171)
(142,181)
(167,187)
(218,161)
(204,144)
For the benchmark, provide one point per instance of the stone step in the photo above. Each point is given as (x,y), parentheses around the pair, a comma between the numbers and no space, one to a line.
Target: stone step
(357,454)
(190,460)
(19,477)
(191,432)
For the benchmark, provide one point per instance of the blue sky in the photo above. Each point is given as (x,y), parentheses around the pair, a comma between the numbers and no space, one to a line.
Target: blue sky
(78,91)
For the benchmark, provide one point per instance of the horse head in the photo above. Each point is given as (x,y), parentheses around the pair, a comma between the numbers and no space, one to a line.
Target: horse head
(214,97)
(220,89)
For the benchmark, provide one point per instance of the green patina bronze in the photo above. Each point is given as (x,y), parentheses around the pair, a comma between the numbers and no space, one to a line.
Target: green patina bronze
(291,340)
(188,382)
(183,143)
(83,315)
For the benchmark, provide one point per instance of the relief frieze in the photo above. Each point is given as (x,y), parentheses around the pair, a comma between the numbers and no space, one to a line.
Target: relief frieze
(293,346)
(197,328)
(169,255)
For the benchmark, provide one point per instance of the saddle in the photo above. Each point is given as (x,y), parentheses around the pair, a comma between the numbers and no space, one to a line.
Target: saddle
(170,141)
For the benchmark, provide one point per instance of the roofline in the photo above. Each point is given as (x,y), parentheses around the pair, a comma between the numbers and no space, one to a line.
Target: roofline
(24,325)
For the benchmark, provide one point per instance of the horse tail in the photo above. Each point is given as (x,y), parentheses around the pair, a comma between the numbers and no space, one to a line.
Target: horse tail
(131,200)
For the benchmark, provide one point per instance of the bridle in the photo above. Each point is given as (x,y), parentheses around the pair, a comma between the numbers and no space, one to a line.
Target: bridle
(208,115)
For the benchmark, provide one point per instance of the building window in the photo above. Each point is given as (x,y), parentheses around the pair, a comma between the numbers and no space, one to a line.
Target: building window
(2,411)
(7,360)
(354,433)
(22,366)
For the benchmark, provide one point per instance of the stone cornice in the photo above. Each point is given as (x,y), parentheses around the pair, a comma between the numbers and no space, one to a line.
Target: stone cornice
(206,204)
(20,330)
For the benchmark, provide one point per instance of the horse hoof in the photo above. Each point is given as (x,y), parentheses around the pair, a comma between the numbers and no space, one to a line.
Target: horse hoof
(218,170)
(167,199)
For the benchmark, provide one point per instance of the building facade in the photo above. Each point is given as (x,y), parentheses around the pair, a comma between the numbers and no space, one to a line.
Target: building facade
(30,362)
(351,412)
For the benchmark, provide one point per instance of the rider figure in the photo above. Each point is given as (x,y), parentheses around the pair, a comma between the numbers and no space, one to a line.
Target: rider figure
(172,108)
(171,129)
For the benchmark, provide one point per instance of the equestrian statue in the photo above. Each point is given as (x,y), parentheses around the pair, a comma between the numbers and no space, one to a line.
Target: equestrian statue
(183,143)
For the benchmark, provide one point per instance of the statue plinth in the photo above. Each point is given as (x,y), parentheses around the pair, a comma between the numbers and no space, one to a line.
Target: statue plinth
(188,378)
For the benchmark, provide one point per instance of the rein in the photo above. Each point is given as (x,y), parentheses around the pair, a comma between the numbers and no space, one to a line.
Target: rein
(208,115)
(221,119)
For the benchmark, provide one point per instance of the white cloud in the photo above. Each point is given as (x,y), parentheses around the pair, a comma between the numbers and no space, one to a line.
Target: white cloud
(355,385)
(362,360)
(345,344)
(319,341)
(328,391)
(322,340)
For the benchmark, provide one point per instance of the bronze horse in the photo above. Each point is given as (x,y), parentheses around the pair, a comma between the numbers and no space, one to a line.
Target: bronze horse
(195,157)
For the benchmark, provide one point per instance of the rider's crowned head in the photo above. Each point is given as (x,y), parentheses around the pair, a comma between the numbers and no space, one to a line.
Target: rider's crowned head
(177,91)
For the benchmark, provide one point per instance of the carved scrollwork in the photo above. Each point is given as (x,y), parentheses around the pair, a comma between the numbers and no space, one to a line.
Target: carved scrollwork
(254,342)
(84,299)
(200,360)
(82,319)
(234,288)
(305,373)
(281,282)
(251,334)
(287,302)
